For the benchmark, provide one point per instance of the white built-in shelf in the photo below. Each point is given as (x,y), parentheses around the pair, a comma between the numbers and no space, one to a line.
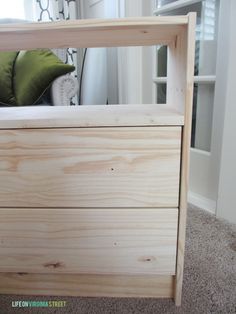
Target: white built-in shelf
(203,79)
(174,5)
(89,116)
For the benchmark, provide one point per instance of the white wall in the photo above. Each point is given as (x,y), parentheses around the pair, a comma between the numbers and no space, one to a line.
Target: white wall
(226,205)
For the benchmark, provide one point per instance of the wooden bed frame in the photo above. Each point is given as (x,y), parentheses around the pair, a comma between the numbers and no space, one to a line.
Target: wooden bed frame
(93,199)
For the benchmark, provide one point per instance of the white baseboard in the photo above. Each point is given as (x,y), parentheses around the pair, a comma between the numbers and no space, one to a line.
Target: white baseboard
(202,202)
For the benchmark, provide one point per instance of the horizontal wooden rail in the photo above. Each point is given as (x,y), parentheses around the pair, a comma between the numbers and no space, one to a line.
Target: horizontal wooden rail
(89,116)
(202,79)
(92,33)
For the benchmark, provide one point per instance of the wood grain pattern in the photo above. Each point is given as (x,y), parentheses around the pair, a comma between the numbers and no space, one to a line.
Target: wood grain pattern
(89,116)
(184,57)
(87,285)
(92,241)
(176,76)
(91,33)
(95,167)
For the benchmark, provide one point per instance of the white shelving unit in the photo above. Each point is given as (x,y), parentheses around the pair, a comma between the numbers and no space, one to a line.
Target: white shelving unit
(203,79)
(173,6)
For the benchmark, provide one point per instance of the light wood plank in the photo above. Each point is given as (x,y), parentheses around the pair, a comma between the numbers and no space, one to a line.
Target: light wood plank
(181,78)
(87,285)
(91,33)
(92,241)
(94,167)
(89,116)
(176,72)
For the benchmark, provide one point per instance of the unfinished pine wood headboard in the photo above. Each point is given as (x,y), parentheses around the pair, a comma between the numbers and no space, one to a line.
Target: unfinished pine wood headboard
(93,199)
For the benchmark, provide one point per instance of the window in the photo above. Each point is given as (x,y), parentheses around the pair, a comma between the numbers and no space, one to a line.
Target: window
(205,64)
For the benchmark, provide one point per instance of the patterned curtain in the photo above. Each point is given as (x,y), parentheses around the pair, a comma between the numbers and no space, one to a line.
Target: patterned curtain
(53,10)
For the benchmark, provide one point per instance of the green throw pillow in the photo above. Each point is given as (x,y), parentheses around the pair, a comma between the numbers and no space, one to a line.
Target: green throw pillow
(7,61)
(35,70)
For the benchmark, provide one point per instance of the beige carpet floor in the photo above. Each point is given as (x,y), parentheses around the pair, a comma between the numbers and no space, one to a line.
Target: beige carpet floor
(209,278)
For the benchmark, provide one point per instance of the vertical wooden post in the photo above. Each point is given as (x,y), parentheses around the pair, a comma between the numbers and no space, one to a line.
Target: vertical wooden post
(181,59)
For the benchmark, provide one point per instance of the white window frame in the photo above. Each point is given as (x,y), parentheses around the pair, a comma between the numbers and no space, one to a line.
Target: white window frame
(203,79)
(205,172)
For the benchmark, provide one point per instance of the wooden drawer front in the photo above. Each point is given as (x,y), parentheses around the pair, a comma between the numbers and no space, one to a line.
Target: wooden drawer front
(84,285)
(95,241)
(91,167)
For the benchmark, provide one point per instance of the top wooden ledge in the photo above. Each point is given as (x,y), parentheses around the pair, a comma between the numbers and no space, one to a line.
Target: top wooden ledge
(92,33)
(89,116)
